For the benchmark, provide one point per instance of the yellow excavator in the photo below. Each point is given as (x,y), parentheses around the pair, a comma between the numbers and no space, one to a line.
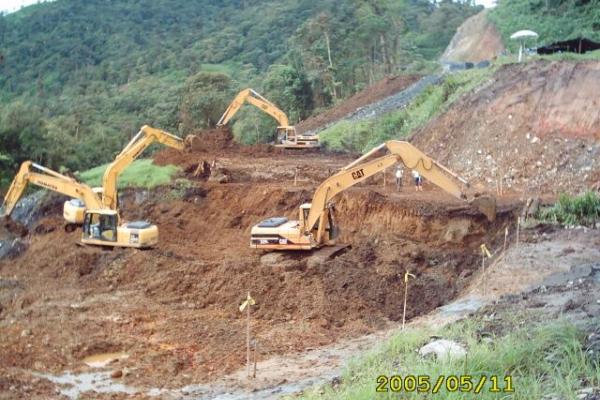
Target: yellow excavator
(101,225)
(286,134)
(316,226)
(74,209)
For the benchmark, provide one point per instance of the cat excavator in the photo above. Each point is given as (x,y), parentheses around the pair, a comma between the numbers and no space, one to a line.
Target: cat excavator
(316,225)
(286,134)
(101,225)
(74,209)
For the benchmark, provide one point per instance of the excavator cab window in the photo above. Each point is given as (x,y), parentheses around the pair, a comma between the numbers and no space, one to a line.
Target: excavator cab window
(305,212)
(100,227)
(282,136)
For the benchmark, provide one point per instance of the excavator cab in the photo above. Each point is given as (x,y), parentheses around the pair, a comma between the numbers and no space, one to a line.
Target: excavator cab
(101,227)
(288,138)
(285,135)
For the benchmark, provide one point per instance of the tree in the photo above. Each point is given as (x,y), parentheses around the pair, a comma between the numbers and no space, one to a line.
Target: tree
(205,98)
(290,91)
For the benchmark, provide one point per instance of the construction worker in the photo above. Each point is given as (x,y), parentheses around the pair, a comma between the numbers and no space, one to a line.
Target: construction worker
(418,181)
(399,175)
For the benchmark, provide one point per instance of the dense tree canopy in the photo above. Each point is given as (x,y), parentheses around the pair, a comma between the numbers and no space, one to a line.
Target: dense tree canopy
(553,20)
(79,77)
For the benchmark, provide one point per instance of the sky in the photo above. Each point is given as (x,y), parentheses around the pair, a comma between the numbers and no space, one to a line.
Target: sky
(13,5)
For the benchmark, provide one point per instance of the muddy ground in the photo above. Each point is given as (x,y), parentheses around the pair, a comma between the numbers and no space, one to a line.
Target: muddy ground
(174,309)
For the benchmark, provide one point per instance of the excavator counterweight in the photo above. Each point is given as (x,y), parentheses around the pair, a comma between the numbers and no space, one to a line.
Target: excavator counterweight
(316,225)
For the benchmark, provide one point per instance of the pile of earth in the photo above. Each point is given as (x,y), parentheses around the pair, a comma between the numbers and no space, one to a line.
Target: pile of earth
(533,127)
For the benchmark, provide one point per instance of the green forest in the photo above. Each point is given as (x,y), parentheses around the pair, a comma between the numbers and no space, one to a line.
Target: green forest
(79,77)
(553,20)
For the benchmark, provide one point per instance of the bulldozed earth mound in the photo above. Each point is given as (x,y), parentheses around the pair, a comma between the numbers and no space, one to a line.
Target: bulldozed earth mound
(210,140)
(533,127)
(174,309)
(379,90)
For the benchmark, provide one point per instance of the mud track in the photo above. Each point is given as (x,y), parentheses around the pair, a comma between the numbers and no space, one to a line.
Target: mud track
(173,309)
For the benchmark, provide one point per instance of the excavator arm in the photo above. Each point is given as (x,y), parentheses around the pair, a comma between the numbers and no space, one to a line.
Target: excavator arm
(316,226)
(252,97)
(140,142)
(48,179)
(359,170)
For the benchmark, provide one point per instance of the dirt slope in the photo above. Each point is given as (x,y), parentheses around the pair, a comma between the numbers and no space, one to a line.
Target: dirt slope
(379,90)
(535,126)
(477,39)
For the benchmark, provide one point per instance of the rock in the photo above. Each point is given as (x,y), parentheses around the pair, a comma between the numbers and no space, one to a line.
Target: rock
(25,332)
(443,349)
(584,393)
(116,374)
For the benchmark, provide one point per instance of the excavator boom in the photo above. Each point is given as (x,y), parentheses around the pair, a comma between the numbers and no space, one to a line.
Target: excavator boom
(140,142)
(359,170)
(254,98)
(48,179)
(315,227)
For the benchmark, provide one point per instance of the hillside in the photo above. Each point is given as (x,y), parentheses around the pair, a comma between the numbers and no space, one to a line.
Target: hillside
(535,127)
(398,268)
(79,77)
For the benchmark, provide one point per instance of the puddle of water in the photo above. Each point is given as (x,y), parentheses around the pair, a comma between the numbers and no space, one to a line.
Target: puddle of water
(102,360)
(73,385)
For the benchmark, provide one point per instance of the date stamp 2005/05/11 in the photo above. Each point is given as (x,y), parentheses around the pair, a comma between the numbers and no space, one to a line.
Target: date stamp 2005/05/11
(443,383)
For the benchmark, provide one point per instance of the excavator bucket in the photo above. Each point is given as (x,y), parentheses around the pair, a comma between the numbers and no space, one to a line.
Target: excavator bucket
(486,204)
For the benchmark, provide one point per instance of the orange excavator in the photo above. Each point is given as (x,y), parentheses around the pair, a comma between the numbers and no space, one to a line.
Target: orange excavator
(286,133)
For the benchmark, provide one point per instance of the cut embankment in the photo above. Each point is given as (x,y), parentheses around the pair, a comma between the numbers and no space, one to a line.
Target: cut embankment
(174,309)
(533,127)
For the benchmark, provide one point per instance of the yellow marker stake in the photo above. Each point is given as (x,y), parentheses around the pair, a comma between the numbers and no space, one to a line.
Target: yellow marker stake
(246,305)
(406,275)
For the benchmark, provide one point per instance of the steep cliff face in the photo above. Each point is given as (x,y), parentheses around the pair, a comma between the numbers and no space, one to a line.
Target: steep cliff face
(533,126)
(477,39)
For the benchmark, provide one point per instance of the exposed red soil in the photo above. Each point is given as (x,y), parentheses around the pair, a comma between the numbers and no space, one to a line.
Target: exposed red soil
(174,308)
(477,39)
(379,90)
(533,126)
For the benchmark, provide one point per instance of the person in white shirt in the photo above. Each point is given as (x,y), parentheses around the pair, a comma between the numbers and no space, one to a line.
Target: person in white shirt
(399,175)
(418,180)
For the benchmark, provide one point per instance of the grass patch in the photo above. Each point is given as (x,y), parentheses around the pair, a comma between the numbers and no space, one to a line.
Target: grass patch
(141,173)
(543,359)
(573,210)
(364,135)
